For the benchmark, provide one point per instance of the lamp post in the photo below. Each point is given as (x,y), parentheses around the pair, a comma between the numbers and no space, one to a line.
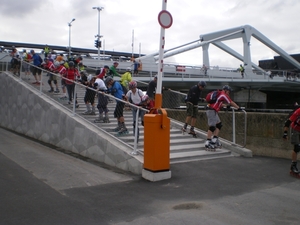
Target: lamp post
(70,24)
(98,35)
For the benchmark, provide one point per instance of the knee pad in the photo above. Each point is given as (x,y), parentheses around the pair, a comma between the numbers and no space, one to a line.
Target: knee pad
(49,82)
(219,125)
(297,148)
(212,128)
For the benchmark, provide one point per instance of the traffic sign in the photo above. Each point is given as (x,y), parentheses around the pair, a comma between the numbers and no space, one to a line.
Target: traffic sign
(165,19)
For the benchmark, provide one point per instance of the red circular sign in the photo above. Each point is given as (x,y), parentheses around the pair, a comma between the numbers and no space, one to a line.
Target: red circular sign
(165,19)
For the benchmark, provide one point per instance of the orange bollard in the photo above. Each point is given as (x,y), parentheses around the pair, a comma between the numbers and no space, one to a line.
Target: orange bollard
(156,146)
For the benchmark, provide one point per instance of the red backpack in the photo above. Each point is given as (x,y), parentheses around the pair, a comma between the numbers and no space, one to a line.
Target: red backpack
(212,97)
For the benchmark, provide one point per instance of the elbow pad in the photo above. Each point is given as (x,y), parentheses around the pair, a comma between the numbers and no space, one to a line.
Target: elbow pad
(287,123)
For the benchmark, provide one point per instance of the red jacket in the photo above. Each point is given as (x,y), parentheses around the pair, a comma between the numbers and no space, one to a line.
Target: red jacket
(222,99)
(71,75)
(49,66)
(61,69)
(295,118)
(102,73)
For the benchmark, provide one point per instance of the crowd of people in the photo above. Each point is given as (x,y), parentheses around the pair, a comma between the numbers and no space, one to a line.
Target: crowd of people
(102,83)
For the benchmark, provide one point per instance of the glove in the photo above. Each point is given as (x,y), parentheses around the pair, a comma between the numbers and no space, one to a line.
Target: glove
(285,135)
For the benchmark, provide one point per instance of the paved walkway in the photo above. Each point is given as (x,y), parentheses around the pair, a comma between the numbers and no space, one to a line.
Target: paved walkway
(39,185)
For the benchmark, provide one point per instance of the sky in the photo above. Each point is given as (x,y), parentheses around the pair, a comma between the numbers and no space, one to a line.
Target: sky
(127,22)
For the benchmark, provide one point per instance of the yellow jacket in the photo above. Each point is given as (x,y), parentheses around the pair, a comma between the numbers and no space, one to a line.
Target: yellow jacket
(125,79)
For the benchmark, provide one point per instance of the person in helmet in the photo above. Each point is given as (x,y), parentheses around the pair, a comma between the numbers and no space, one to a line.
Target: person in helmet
(125,79)
(293,121)
(213,119)
(192,99)
(50,67)
(134,96)
(115,88)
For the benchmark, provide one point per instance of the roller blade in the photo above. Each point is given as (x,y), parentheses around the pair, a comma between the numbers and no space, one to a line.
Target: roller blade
(104,121)
(183,130)
(193,134)
(210,147)
(122,133)
(218,145)
(113,130)
(293,174)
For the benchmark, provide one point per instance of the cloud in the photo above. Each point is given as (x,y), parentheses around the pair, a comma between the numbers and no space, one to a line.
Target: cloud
(47,22)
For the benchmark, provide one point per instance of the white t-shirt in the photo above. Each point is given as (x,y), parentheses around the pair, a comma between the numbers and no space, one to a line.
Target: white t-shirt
(101,85)
(136,97)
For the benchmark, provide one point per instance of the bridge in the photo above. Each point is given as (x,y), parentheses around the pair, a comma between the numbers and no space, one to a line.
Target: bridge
(181,77)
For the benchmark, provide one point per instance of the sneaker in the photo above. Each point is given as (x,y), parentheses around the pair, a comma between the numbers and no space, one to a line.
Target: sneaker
(63,98)
(57,91)
(50,91)
(34,82)
(69,102)
(183,129)
(92,113)
(77,105)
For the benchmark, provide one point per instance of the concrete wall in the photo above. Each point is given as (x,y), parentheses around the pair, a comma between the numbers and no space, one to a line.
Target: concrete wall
(264,132)
(27,112)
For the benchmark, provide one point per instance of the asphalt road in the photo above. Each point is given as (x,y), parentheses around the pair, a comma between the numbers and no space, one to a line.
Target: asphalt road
(40,185)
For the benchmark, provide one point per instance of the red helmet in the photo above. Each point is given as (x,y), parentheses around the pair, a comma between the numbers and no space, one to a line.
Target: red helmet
(132,84)
(145,98)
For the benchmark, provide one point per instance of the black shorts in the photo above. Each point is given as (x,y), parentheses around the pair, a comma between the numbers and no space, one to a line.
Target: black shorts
(119,109)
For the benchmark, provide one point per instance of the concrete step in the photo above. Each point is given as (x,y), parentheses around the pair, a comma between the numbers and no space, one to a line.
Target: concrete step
(183,147)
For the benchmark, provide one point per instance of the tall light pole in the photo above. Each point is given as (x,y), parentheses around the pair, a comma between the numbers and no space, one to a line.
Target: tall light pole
(98,35)
(70,24)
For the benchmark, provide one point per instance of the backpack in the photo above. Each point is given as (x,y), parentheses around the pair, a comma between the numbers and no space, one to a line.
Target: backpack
(138,91)
(212,97)
(40,59)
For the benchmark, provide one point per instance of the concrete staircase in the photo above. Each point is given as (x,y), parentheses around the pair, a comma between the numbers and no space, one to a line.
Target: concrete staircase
(183,147)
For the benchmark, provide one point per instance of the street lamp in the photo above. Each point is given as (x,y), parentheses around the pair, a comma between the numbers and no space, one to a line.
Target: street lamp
(69,24)
(98,35)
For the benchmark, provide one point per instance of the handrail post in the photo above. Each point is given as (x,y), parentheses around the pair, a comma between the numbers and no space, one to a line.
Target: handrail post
(74,98)
(233,126)
(136,131)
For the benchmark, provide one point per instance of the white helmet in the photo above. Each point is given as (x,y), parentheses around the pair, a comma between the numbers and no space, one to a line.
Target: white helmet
(128,69)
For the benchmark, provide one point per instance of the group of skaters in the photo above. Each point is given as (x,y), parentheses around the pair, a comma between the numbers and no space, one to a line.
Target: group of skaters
(213,107)
(103,83)
(125,91)
(222,100)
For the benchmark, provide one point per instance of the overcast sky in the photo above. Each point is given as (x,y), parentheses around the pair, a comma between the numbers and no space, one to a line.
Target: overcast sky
(46,22)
